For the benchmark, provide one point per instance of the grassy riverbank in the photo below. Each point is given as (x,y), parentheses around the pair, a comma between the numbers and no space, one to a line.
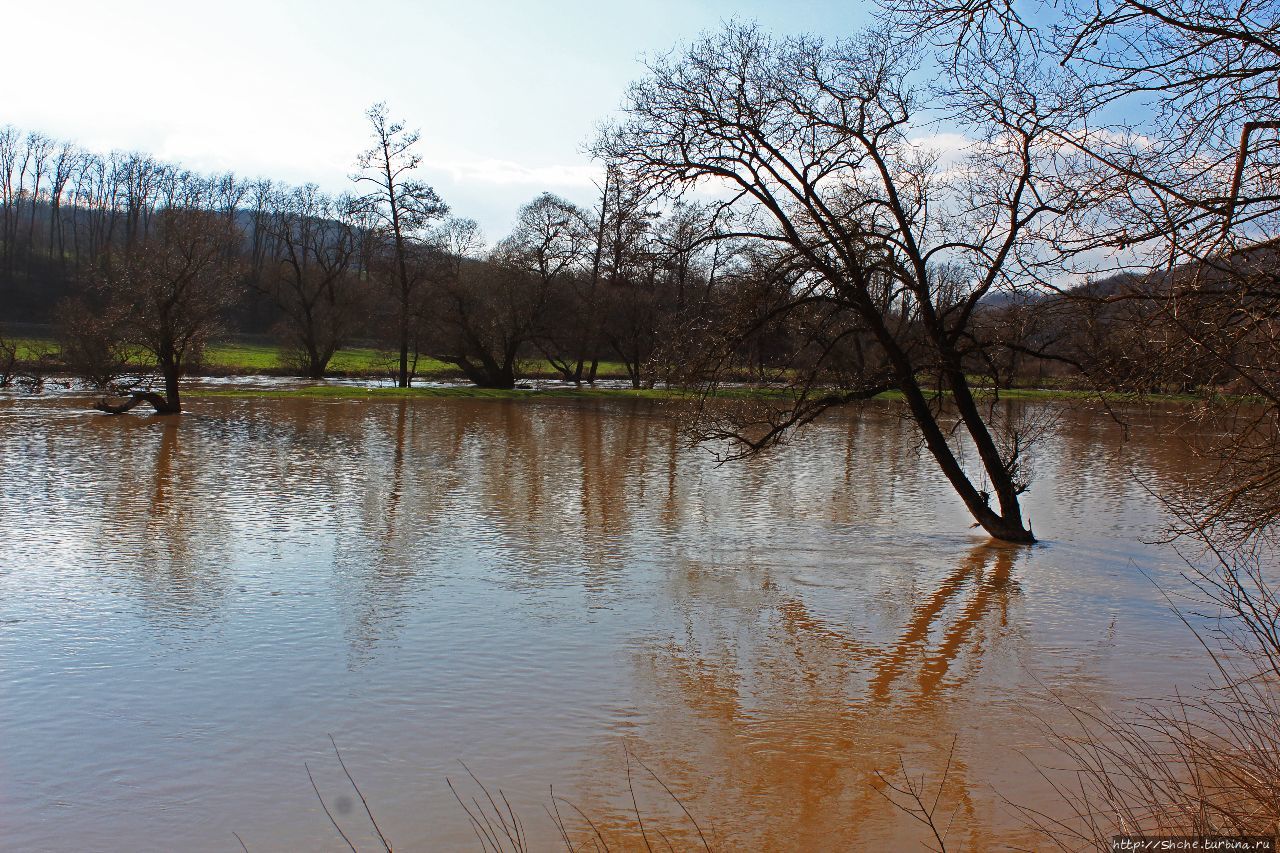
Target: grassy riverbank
(236,358)
(248,359)
(351,392)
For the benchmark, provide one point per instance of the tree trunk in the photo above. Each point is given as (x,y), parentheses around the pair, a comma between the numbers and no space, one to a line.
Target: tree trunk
(160,404)
(173,403)
(403,379)
(1006,525)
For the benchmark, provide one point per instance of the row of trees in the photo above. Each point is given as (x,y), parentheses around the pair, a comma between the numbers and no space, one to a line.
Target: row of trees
(888,268)
(118,249)
(568,285)
(766,206)
(1122,132)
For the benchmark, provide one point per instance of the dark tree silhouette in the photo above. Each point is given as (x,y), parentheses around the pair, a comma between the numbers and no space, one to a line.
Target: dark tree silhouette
(881,259)
(314,280)
(170,290)
(404,206)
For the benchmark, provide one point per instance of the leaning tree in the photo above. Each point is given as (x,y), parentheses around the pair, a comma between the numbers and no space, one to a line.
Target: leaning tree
(880,257)
(1179,113)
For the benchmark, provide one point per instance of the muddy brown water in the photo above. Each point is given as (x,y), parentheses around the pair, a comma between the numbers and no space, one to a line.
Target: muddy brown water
(558,593)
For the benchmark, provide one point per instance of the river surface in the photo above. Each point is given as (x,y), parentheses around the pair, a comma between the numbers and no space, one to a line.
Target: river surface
(561,594)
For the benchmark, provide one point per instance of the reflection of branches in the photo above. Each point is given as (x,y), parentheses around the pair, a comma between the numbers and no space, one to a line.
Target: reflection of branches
(923,619)
(775,713)
(399,501)
(175,564)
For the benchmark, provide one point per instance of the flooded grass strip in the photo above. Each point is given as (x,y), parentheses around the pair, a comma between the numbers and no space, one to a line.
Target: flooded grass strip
(349,392)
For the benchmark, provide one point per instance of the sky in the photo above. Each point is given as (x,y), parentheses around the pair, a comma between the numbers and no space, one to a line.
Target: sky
(506,94)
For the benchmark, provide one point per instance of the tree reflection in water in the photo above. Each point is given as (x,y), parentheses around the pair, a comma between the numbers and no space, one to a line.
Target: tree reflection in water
(532,588)
(792,725)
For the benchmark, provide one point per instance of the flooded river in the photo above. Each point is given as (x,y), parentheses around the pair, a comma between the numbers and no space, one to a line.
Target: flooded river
(557,593)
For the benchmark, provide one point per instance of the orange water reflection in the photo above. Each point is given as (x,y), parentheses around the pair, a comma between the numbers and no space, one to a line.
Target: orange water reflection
(543,589)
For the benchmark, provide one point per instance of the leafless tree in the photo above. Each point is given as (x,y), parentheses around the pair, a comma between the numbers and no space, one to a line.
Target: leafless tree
(1177,106)
(66,163)
(404,207)
(610,280)
(40,148)
(314,280)
(553,241)
(807,141)
(630,269)
(171,287)
(1177,113)
(692,263)
(485,318)
(1181,97)
(93,343)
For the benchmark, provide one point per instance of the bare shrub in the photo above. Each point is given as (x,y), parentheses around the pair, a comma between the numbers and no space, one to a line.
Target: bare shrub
(92,346)
(25,365)
(911,796)
(1207,764)
(499,828)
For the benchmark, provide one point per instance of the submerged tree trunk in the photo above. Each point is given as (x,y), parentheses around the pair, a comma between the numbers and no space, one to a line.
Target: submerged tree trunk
(402,377)
(317,359)
(161,405)
(488,373)
(173,401)
(168,404)
(1005,524)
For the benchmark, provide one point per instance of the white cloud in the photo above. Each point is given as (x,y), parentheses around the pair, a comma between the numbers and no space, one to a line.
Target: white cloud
(510,172)
(950,147)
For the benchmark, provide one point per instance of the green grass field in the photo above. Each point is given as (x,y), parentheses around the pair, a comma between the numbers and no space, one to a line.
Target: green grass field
(248,358)
(252,358)
(31,349)
(265,358)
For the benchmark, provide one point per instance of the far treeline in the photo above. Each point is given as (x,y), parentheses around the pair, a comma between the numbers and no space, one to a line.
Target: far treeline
(770,209)
(131,258)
